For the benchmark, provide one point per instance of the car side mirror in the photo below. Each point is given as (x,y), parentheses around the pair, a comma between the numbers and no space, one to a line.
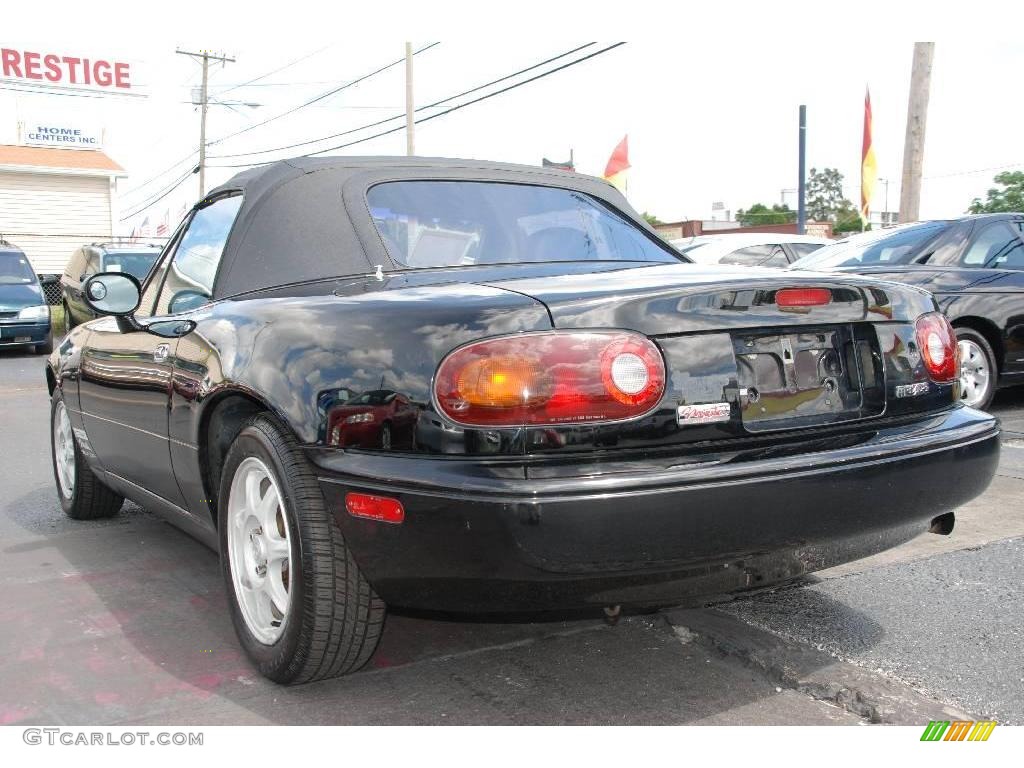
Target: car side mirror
(112,293)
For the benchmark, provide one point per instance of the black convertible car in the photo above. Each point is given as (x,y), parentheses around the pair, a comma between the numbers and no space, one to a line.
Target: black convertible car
(570,414)
(975,268)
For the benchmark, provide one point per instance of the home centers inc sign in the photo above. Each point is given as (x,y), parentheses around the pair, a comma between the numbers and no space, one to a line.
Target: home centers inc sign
(63,134)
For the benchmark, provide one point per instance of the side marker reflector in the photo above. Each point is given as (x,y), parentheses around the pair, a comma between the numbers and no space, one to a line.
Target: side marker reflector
(379,508)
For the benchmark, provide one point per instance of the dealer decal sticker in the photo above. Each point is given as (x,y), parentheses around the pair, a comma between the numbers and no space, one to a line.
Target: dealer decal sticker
(708,413)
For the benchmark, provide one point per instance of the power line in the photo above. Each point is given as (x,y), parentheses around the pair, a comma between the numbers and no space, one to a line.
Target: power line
(75,235)
(146,183)
(159,196)
(193,153)
(279,69)
(433,105)
(321,97)
(402,114)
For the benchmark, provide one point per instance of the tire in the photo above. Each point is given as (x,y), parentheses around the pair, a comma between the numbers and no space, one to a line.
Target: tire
(978,369)
(328,618)
(69,321)
(88,499)
(47,346)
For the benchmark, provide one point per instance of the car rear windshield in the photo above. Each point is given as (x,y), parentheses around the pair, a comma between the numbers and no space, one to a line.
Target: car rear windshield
(900,246)
(15,269)
(135,264)
(463,223)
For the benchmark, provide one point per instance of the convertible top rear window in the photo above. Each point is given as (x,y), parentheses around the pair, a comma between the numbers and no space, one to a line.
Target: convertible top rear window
(463,223)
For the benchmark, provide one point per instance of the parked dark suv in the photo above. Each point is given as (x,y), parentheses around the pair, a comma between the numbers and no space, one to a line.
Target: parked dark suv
(24,315)
(133,258)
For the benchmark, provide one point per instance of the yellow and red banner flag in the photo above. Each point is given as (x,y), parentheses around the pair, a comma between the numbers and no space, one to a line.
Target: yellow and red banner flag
(868,164)
(618,164)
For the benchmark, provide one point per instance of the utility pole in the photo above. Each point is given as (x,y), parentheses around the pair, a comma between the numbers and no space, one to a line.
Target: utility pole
(913,146)
(410,125)
(204,102)
(801,187)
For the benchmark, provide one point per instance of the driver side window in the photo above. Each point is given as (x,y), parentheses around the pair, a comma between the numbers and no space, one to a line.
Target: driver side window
(189,280)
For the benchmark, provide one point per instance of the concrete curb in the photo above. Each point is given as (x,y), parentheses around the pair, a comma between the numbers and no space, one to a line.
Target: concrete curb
(810,671)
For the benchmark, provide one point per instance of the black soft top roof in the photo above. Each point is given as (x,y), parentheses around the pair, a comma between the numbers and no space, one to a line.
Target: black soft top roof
(307,218)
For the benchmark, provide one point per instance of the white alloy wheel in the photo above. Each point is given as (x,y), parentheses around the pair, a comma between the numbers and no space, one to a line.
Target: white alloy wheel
(975,373)
(259,550)
(64,451)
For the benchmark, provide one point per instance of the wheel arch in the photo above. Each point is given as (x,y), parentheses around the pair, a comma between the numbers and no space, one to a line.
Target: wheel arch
(220,421)
(988,330)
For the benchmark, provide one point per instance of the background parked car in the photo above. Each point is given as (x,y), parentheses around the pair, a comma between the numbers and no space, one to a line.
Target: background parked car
(975,267)
(757,249)
(135,259)
(24,315)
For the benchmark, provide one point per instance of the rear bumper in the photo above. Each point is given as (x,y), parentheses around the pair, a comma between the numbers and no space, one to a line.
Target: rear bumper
(23,333)
(492,537)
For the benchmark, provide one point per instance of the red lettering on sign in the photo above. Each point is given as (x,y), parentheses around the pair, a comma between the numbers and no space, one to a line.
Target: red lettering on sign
(12,63)
(121,75)
(70,70)
(101,73)
(32,66)
(72,62)
(52,64)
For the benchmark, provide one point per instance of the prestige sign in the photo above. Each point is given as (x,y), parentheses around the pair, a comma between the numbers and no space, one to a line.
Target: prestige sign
(61,134)
(43,68)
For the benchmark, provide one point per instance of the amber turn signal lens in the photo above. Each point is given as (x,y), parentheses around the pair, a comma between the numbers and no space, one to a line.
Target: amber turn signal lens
(503,382)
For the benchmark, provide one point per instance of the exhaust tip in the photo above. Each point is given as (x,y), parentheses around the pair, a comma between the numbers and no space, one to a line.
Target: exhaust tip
(943,524)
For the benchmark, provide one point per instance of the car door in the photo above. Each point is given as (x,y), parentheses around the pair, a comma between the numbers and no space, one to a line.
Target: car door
(986,280)
(124,392)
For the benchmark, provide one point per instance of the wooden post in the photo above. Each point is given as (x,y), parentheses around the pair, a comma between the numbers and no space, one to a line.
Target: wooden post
(917,118)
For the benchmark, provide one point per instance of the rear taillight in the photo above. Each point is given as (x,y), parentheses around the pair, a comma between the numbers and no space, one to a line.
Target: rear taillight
(551,378)
(937,341)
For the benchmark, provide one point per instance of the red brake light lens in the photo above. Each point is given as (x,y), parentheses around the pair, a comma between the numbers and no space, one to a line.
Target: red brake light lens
(381,508)
(551,378)
(937,341)
(803,297)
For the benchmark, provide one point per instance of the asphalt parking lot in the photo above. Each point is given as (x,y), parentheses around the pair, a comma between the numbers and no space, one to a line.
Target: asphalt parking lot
(124,621)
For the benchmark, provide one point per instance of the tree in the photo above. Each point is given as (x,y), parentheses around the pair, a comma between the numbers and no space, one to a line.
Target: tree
(825,194)
(1008,199)
(651,219)
(847,219)
(759,213)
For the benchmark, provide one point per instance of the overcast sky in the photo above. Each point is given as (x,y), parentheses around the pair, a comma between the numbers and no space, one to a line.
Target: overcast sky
(710,117)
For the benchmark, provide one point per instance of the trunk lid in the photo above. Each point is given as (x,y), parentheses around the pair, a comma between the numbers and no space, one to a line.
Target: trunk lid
(687,298)
(740,365)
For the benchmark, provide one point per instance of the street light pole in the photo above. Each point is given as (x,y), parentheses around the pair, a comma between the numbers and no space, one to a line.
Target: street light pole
(801,190)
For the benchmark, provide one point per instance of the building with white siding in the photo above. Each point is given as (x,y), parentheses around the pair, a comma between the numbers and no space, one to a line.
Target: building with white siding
(55,200)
